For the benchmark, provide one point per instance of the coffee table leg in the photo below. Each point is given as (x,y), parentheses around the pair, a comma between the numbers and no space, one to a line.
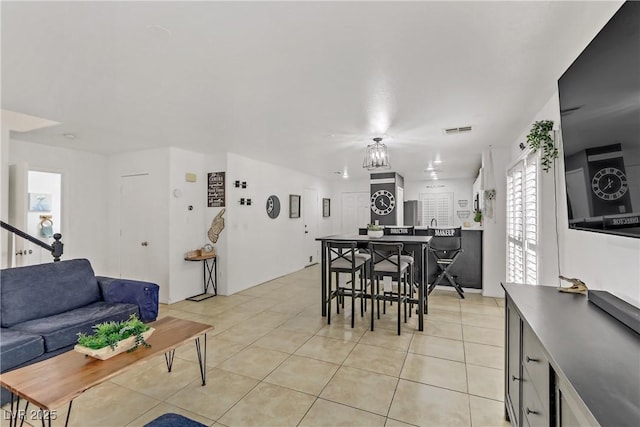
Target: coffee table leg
(168,357)
(66,423)
(202,359)
(24,414)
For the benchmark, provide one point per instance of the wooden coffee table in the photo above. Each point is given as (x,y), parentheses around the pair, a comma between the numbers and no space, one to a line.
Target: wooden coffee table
(56,381)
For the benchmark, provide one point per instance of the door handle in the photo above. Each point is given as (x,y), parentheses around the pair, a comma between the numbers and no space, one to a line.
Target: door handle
(145,243)
(306,232)
(19,252)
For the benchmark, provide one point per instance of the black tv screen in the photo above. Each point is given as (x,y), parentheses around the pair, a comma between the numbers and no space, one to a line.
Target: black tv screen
(600,122)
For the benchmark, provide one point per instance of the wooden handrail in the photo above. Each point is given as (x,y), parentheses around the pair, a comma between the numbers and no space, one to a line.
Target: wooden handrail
(56,248)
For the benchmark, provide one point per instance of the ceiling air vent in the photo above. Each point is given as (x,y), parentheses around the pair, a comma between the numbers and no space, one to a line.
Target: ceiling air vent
(461,129)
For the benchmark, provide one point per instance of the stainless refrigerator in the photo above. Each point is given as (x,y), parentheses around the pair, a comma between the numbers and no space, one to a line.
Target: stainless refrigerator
(412,212)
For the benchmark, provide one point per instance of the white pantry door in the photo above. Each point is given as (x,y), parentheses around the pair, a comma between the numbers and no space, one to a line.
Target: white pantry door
(135,240)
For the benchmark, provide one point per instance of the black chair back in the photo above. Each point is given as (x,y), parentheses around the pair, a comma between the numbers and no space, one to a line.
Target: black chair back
(403,231)
(445,239)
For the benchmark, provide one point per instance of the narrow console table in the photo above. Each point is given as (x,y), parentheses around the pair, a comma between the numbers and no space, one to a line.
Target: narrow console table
(567,362)
(209,276)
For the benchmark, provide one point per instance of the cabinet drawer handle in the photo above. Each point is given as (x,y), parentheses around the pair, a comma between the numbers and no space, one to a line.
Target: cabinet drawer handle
(529,359)
(529,411)
(514,378)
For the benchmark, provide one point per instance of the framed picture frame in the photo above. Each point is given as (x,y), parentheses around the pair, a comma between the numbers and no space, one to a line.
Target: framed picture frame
(40,202)
(326,207)
(294,206)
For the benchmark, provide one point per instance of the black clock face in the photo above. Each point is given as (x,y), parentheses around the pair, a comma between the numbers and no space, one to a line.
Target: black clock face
(609,183)
(273,206)
(383,202)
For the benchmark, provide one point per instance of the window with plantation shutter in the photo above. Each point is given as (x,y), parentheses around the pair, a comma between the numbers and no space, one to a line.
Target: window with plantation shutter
(522,222)
(438,206)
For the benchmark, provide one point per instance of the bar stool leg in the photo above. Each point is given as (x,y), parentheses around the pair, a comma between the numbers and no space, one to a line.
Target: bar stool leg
(353,298)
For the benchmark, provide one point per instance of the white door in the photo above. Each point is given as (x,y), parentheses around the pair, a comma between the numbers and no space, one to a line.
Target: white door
(135,239)
(44,216)
(356,211)
(18,200)
(310,214)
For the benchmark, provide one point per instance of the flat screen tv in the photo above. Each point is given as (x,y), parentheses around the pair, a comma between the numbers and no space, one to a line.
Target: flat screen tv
(600,122)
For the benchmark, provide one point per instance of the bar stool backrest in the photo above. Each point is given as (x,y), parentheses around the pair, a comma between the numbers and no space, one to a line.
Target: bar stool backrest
(403,231)
(342,250)
(386,252)
(445,239)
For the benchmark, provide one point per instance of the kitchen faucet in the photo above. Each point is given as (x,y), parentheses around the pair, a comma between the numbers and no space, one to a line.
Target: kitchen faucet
(433,220)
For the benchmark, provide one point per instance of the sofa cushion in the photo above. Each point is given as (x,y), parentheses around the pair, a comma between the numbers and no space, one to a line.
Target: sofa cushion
(62,329)
(18,347)
(44,290)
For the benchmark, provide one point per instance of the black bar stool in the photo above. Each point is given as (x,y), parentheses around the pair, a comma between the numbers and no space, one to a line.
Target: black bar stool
(445,246)
(344,258)
(387,262)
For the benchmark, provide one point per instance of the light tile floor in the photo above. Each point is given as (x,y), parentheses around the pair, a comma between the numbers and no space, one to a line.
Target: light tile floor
(273,361)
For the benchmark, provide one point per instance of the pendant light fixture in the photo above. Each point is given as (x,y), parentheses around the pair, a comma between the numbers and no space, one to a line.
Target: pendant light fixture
(377,156)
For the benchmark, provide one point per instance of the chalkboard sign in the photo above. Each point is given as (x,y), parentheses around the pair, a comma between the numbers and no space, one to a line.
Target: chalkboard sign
(215,190)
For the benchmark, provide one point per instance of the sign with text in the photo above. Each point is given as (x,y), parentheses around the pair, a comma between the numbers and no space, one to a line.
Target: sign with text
(215,189)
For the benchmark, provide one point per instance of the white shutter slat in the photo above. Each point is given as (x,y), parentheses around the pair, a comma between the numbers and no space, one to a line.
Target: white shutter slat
(522,221)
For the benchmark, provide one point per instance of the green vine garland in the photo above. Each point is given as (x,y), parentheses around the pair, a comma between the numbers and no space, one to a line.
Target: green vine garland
(540,138)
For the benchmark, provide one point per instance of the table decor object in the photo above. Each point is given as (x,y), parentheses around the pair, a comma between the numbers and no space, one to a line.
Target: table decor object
(113,338)
(375,231)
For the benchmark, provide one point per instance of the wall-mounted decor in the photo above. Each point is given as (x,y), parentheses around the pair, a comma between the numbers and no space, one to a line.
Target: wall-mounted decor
(39,202)
(294,206)
(326,207)
(217,225)
(273,206)
(463,203)
(215,190)
(463,214)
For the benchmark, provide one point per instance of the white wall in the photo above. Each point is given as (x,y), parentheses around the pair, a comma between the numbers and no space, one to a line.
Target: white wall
(84,180)
(602,261)
(4,194)
(187,229)
(260,248)
(218,163)
(494,236)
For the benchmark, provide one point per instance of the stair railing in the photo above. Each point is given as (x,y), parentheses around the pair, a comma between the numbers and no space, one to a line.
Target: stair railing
(55,248)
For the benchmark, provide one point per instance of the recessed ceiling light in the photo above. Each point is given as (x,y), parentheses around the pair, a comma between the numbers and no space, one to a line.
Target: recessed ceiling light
(69,135)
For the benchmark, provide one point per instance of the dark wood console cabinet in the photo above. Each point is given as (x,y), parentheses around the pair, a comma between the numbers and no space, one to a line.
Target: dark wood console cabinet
(567,362)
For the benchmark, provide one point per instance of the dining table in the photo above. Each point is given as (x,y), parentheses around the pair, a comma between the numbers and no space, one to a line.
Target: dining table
(419,245)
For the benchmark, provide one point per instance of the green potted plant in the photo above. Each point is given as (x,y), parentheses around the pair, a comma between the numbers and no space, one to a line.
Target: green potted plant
(112,338)
(375,231)
(477,216)
(540,138)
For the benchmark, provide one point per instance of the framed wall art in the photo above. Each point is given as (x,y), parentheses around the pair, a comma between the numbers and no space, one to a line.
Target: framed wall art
(326,207)
(294,206)
(39,202)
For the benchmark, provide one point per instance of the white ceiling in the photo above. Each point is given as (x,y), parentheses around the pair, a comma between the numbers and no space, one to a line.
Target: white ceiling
(305,85)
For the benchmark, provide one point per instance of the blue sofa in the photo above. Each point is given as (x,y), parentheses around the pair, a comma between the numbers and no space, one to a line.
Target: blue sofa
(43,308)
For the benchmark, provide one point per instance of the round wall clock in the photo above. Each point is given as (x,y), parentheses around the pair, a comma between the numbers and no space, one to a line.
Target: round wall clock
(609,183)
(383,202)
(273,206)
